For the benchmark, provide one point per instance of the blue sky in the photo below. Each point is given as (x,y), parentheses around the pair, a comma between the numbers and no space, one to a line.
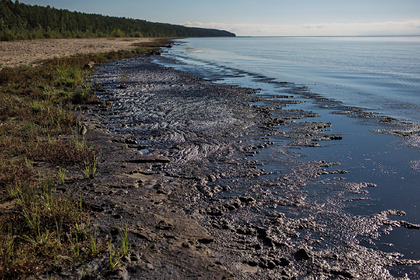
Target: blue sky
(265,17)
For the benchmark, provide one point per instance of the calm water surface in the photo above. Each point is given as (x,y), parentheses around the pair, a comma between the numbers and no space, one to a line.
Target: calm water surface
(378,73)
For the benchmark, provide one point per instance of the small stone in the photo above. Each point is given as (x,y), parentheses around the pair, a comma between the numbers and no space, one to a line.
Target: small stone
(246,200)
(90,64)
(150,158)
(301,255)
(283,262)
(163,225)
(205,240)
(130,141)
(83,130)
(150,266)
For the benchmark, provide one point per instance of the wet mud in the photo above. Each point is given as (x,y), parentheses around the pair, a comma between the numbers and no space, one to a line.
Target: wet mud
(204,178)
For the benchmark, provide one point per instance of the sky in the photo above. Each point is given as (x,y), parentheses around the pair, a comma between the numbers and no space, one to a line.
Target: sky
(265,17)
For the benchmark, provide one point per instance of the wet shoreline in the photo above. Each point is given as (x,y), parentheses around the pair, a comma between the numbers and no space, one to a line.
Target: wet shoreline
(215,157)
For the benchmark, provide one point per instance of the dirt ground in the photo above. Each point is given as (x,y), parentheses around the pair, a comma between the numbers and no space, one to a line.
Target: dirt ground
(182,167)
(28,52)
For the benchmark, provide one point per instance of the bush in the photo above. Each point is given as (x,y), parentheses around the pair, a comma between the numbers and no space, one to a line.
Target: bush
(137,34)
(81,96)
(117,33)
(7,35)
(68,76)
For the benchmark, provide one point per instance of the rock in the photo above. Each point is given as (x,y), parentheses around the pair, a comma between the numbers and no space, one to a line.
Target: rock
(245,231)
(205,240)
(271,263)
(216,211)
(233,204)
(283,261)
(64,258)
(130,141)
(263,235)
(163,225)
(83,130)
(247,200)
(342,273)
(251,263)
(267,263)
(96,208)
(409,225)
(150,158)
(90,64)
(115,231)
(117,216)
(212,178)
(403,133)
(205,190)
(301,255)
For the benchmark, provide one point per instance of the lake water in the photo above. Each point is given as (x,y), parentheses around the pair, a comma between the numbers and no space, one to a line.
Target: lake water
(380,74)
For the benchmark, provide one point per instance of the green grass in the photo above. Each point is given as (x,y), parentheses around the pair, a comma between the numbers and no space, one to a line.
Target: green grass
(115,255)
(61,176)
(90,170)
(44,230)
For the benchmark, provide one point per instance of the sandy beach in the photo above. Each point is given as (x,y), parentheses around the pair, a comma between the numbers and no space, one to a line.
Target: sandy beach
(29,52)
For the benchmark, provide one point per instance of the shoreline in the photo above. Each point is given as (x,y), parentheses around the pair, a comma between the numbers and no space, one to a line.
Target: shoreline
(187,171)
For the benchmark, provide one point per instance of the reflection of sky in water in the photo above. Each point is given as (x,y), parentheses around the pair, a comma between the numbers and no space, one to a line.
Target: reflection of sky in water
(379,73)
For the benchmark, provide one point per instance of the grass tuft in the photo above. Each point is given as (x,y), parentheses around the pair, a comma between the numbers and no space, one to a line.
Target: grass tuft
(61,176)
(39,229)
(90,170)
(116,255)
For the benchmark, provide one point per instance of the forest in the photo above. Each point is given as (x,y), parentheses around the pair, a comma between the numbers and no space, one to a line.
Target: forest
(19,21)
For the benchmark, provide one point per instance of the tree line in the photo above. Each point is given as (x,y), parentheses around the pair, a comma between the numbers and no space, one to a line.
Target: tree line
(19,21)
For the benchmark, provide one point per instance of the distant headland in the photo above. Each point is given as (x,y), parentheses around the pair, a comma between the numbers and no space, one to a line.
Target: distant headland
(20,21)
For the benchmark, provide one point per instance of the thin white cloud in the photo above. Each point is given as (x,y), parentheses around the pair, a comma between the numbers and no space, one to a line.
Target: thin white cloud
(411,27)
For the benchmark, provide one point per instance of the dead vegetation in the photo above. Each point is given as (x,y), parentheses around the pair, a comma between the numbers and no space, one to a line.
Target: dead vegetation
(40,137)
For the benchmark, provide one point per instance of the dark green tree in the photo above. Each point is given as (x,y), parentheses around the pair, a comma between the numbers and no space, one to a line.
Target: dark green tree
(22,21)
